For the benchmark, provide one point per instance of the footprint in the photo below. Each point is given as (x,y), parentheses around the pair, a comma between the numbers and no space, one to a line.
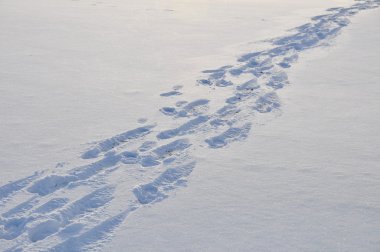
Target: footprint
(130,157)
(13,228)
(13,187)
(171,93)
(21,208)
(142,120)
(228,110)
(221,69)
(216,77)
(248,86)
(238,97)
(157,190)
(86,204)
(267,103)
(172,148)
(71,230)
(278,80)
(92,237)
(223,83)
(149,161)
(146,146)
(51,205)
(193,108)
(237,71)
(177,87)
(52,183)
(115,141)
(180,103)
(249,56)
(174,92)
(287,58)
(43,230)
(218,122)
(204,82)
(184,129)
(231,135)
(169,111)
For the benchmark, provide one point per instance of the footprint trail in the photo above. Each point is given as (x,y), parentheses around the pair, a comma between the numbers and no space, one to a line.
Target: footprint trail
(78,209)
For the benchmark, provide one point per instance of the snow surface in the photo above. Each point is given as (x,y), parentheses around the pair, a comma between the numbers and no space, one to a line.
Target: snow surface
(277,149)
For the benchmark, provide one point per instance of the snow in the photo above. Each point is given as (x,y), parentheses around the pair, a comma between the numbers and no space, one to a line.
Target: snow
(75,55)
(196,148)
(306,181)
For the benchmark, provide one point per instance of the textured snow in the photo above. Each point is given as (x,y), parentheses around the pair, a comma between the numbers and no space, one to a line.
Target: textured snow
(197,140)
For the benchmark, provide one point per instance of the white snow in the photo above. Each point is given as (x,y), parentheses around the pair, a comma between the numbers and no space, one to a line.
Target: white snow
(205,139)
(78,71)
(306,181)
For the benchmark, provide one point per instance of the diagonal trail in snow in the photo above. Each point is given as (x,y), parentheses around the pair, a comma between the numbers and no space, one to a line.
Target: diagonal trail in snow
(162,162)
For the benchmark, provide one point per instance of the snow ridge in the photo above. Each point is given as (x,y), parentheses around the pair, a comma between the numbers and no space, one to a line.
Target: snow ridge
(79,209)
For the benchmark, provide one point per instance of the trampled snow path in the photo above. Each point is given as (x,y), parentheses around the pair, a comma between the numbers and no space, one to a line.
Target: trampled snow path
(79,209)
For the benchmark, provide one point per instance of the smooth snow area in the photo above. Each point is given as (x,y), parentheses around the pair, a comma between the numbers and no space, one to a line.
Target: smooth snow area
(189,125)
